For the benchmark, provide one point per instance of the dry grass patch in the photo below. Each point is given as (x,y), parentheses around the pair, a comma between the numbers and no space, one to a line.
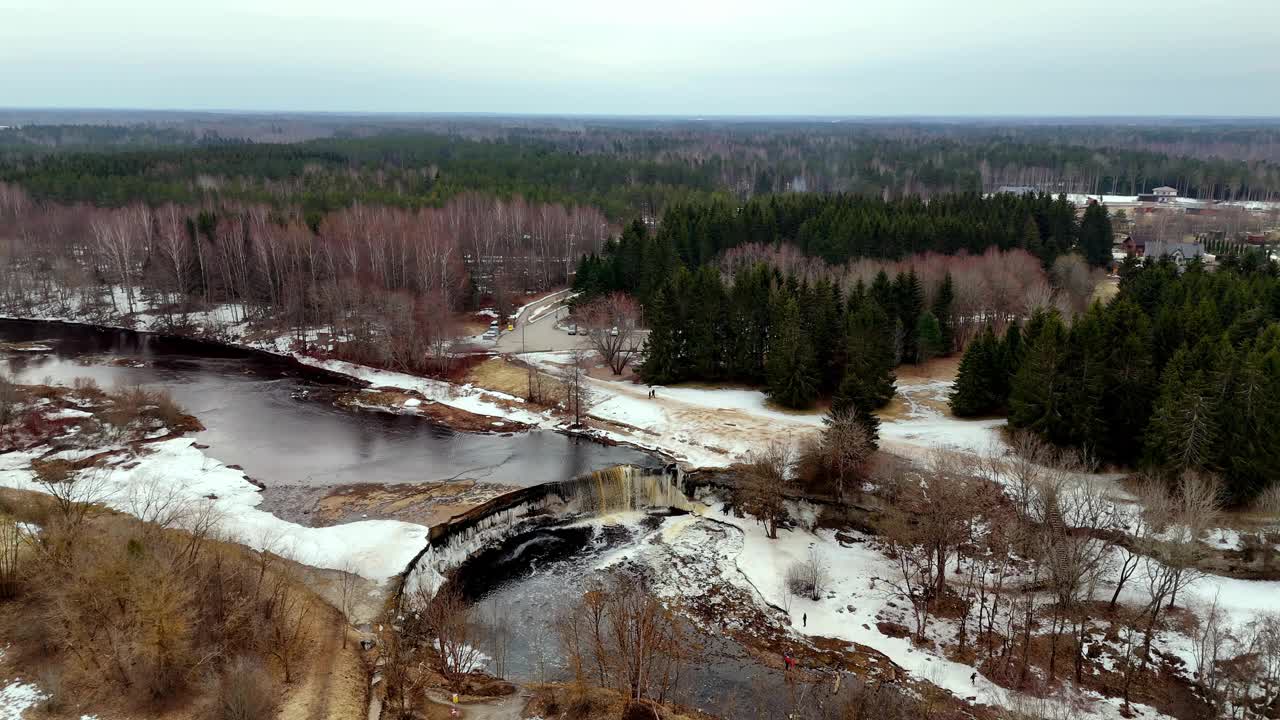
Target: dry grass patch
(114,616)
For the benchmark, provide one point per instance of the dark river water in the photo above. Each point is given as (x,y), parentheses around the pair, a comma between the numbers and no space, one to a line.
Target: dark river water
(277,419)
(531,579)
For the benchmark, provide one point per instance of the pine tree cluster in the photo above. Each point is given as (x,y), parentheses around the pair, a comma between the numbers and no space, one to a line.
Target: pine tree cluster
(839,228)
(1180,371)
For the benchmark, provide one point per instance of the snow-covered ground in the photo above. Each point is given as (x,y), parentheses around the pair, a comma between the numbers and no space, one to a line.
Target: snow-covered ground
(860,595)
(374,549)
(16,697)
(716,427)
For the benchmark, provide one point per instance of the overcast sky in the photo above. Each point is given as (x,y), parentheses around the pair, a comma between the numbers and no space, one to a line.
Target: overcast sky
(683,57)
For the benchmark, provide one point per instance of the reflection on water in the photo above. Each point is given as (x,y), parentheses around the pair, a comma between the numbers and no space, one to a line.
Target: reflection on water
(278,421)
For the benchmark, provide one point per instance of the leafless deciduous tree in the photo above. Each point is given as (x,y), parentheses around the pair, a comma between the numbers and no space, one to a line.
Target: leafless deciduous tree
(762,482)
(634,642)
(612,323)
(75,494)
(347,598)
(840,455)
(447,618)
(286,635)
(577,388)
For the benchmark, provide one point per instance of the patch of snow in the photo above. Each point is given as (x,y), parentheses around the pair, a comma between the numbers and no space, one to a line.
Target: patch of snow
(374,549)
(68,413)
(1223,539)
(16,697)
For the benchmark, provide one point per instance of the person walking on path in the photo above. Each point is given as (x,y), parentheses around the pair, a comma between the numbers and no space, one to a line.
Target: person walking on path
(805,619)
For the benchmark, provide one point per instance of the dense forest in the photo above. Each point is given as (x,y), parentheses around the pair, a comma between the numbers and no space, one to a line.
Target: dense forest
(840,228)
(1180,371)
(626,169)
(805,335)
(761,323)
(408,171)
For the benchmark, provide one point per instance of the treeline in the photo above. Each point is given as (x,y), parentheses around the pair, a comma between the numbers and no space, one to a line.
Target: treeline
(1180,371)
(839,228)
(626,169)
(402,170)
(95,138)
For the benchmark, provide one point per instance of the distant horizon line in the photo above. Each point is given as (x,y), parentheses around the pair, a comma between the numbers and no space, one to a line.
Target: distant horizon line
(640,116)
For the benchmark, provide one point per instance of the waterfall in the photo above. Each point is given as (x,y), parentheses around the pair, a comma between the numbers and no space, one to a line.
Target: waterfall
(622,488)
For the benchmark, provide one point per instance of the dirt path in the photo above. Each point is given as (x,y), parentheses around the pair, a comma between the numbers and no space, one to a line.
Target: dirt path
(333,686)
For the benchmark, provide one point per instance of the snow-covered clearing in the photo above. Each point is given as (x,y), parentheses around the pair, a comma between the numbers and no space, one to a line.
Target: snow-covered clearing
(374,549)
(716,427)
(922,428)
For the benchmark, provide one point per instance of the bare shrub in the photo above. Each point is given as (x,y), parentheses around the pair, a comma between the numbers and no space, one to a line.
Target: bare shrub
(10,400)
(86,388)
(1268,502)
(51,684)
(809,577)
(11,540)
(246,691)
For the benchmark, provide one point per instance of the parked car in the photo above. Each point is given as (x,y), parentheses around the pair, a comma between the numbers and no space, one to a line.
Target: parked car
(571,329)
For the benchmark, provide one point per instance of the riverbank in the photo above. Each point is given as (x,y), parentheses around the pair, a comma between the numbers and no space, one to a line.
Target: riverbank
(71,441)
(694,426)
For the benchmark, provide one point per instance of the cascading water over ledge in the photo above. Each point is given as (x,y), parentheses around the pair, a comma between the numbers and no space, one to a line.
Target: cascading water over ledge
(622,488)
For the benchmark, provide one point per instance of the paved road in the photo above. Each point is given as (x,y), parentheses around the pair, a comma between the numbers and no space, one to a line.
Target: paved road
(540,334)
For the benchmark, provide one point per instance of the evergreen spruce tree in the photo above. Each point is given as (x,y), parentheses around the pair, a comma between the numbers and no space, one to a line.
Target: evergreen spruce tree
(662,361)
(1011,349)
(1083,379)
(980,388)
(910,301)
(853,396)
(1036,394)
(929,343)
(1130,384)
(1096,235)
(942,302)
(1251,419)
(1030,240)
(793,379)
(1184,427)
(868,379)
